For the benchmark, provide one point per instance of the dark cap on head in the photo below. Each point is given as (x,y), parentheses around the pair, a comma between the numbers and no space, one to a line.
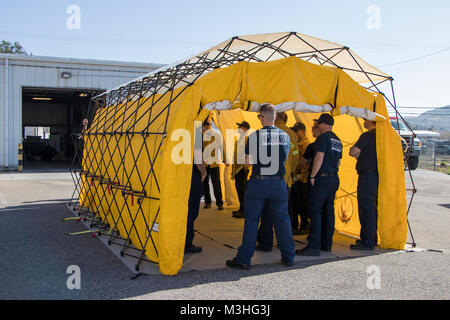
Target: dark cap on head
(243,124)
(325,118)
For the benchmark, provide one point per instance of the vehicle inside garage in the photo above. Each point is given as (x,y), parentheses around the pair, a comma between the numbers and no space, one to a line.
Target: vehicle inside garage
(49,116)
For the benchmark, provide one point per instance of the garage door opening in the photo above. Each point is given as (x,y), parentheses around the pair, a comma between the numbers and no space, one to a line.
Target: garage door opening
(49,116)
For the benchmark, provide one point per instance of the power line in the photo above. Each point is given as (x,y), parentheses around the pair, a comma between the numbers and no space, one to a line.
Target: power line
(415,59)
(108,40)
(420,46)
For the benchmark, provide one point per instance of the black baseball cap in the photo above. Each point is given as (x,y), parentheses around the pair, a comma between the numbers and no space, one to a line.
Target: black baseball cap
(243,124)
(325,118)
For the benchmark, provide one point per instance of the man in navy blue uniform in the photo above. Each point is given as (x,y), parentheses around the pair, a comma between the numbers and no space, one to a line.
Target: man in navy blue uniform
(365,151)
(267,150)
(324,182)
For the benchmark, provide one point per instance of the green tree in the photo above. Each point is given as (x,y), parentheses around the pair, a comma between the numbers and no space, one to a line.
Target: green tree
(8,47)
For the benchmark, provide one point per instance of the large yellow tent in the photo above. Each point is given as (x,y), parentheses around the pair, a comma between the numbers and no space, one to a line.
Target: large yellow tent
(136,169)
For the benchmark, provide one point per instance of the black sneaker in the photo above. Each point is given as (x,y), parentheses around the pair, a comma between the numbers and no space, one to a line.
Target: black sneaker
(193,249)
(287,263)
(307,251)
(361,246)
(207,206)
(237,265)
(220,207)
(262,248)
(239,215)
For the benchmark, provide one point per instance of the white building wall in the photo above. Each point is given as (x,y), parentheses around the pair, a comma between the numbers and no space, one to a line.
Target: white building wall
(45,72)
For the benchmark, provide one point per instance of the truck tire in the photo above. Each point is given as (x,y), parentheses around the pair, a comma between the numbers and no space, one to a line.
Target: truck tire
(413,162)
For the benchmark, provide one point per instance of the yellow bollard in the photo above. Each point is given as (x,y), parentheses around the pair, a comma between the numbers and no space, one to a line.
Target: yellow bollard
(20,158)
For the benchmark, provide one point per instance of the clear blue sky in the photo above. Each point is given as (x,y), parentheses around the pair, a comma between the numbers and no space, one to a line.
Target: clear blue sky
(168,31)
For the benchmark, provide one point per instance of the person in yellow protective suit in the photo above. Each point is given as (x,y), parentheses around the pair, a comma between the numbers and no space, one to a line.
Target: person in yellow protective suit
(299,194)
(293,158)
(265,232)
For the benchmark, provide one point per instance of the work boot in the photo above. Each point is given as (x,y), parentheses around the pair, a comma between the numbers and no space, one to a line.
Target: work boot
(287,263)
(307,251)
(193,249)
(237,265)
(238,215)
(361,246)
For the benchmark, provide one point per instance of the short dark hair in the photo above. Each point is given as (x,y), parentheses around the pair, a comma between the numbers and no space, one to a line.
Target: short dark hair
(326,118)
(282,116)
(206,122)
(267,107)
(299,126)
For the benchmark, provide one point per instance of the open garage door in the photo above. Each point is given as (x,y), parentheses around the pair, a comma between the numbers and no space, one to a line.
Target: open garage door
(49,116)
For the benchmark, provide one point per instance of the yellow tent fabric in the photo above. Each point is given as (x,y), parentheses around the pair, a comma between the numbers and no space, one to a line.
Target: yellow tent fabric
(284,80)
(392,219)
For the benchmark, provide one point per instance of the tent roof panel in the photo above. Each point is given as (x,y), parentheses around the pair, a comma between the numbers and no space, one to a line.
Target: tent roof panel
(257,48)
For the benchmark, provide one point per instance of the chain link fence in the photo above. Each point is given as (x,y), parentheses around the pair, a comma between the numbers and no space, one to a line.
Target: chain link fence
(435,156)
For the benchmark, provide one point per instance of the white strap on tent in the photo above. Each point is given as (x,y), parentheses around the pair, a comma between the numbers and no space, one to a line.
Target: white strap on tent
(304,107)
(219,105)
(295,105)
(362,113)
(301,107)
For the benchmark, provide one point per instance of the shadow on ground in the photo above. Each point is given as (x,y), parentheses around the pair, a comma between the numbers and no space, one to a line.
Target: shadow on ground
(37,253)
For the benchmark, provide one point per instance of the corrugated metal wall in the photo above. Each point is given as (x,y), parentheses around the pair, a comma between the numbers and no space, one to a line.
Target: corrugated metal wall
(45,72)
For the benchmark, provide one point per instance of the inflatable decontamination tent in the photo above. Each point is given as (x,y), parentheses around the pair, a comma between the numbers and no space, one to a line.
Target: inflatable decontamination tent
(130,184)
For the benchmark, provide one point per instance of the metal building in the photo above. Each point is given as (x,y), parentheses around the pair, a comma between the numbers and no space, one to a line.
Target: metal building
(42,99)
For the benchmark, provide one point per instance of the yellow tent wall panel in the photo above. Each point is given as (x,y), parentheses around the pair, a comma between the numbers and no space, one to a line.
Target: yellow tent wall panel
(289,79)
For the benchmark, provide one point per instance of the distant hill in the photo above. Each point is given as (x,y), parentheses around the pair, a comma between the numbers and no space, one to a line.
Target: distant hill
(437,119)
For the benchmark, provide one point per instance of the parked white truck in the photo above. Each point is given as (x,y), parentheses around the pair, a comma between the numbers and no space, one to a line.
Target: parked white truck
(411,144)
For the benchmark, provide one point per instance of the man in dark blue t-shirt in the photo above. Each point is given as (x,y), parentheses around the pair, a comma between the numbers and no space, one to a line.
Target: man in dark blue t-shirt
(266,150)
(365,151)
(323,184)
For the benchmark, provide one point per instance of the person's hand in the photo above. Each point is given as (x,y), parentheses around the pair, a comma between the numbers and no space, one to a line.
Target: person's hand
(312,179)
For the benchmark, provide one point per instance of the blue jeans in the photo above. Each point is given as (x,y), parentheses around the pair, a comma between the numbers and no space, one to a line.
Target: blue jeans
(273,195)
(321,211)
(265,230)
(367,207)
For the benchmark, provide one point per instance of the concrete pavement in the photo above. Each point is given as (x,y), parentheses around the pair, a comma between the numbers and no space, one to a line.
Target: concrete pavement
(36,255)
